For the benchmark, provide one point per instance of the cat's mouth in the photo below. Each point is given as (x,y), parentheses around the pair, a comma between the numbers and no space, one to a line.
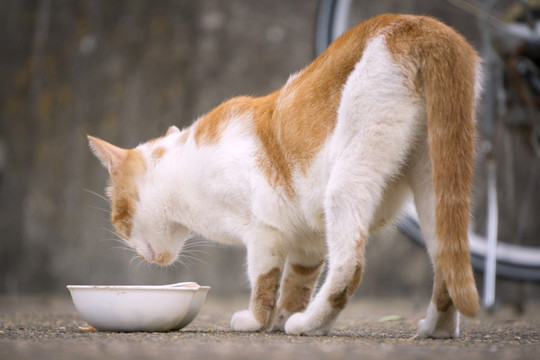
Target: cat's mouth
(151,256)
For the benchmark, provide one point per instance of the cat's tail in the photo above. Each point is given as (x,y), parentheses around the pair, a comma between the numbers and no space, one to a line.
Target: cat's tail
(449,73)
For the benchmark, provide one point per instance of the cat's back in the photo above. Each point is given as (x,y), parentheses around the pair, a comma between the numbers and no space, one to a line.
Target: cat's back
(307,105)
(292,126)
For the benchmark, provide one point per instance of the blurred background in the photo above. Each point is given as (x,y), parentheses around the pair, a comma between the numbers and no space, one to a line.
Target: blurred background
(124,71)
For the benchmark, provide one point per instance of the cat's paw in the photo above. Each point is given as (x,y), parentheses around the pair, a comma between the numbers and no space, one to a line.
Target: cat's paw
(428,329)
(302,324)
(245,321)
(424,329)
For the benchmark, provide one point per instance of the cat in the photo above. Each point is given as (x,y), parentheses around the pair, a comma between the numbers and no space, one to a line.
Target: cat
(305,174)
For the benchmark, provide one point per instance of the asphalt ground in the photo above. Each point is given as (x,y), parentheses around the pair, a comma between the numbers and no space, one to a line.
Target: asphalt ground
(45,327)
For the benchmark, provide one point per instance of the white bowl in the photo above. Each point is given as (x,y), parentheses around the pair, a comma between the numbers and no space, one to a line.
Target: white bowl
(138,308)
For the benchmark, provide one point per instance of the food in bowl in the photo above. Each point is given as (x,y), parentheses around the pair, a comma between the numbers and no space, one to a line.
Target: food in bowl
(138,308)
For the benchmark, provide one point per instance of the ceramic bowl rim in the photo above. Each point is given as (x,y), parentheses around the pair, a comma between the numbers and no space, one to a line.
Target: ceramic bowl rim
(134,287)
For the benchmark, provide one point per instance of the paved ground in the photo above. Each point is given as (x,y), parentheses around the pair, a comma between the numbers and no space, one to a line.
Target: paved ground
(48,328)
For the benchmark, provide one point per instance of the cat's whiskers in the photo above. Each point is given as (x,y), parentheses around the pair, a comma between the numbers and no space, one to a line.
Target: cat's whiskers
(175,265)
(200,239)
(114,233)
(208,243)
(140,262)
(191,251)
(197,246)
(199,242)
(120,244)
(184,258)
(108,211)
(98,195)
(198,252)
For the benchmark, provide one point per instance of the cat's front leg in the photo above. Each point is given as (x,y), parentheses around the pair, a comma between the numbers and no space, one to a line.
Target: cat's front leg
(265,265)
(297,286)
(340,284)
(346,238)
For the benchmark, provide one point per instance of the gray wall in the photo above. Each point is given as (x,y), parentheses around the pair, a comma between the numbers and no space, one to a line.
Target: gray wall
(125,71)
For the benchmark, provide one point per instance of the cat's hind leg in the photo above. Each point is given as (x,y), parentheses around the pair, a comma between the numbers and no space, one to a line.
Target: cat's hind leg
(442,318)
(297,285)
(348,214)
(265,258)
(358,180)
(377,118)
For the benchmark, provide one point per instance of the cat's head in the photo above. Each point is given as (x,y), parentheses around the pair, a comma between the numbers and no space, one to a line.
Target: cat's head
(141,208)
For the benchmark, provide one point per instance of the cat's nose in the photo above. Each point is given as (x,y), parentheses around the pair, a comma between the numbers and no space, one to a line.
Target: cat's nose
(160,258)
(164,258)
(147,254)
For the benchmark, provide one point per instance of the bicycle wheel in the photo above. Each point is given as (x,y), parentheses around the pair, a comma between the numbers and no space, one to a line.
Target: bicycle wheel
(518,248)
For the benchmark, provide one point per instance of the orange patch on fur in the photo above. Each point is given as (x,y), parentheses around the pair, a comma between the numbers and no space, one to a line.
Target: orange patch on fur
(339,298)
(208,129)
(305,270)
(164,258)
(263,297)
(295,297)
(158,152)
(297,287)
(272,158)
(440,297)
(294,122)
(124,192)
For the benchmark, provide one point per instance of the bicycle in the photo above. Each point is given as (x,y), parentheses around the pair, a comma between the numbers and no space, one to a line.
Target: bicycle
(504,112)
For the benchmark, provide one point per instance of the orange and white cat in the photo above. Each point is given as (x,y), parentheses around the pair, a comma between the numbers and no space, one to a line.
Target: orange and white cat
(307,173)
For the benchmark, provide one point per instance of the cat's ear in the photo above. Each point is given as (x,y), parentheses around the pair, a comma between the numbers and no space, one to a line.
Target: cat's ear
(172,130)
(110,156)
